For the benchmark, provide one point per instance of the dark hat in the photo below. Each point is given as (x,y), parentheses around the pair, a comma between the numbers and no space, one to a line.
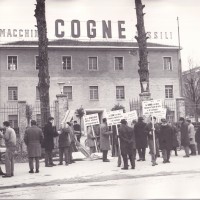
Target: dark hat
(123,121)
(181,119)
(140,118)
(50,118)
(163,120)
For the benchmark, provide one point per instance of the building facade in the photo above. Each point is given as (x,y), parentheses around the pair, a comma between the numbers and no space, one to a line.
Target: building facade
(97,75)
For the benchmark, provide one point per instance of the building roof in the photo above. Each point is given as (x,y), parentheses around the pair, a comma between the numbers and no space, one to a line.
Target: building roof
(192,70)
(89,44)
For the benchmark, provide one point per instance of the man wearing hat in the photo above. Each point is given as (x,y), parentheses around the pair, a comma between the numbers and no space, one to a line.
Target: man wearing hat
(127,144)
(185,140)
(49,134)
(165,140)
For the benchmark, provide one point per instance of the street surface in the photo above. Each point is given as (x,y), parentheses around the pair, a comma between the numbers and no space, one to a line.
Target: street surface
(97,180)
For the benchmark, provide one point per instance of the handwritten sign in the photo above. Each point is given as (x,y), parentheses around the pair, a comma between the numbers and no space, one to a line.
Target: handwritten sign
(114,117)
(130,116)
(90,120)
(152,107)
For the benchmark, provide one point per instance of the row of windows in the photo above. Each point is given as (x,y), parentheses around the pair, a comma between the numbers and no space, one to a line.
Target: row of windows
(92,63)
(93,92)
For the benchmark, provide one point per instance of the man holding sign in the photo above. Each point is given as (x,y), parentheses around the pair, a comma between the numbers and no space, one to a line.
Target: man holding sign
(105,139)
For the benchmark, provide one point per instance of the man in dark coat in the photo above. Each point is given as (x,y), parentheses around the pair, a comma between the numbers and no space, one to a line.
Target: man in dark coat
(185,140)
(127,144)
(197,139)
(141,138)
(33,139)
(49,134)
(165,140)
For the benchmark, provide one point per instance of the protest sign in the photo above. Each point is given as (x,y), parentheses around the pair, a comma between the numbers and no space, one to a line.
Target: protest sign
(114,117)
(152,107)
(90,120)
(130,116)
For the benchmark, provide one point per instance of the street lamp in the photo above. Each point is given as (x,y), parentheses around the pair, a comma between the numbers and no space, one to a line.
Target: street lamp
(61,84)
(144,85)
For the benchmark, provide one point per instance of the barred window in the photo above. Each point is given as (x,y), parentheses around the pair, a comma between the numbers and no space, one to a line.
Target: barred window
(38,120)
(12,93)
(169,91)
(13,119)
(167,61)
(120,93)
(68,91)
(37,66)
(119,62)
(12,62)
(67,62)
(92,63)
(94,93)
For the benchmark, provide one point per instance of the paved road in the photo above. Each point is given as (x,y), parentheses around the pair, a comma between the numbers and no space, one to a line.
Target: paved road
(179,179)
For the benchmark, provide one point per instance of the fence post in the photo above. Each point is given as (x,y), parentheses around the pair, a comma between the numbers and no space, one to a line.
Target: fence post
(62,107)
(180,107)
(22,123)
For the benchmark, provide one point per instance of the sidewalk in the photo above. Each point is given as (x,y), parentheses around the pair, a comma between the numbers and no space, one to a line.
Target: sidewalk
(86,171)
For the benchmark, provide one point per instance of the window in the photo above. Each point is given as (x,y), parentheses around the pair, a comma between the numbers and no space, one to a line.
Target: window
(92,62)
(37,66)
(67,62)
(13,119)
(37,93)
(94,93)
(68,91)
(12,93)
(169,91)
(167,63)
(120,94)
(12,62)
(119,63)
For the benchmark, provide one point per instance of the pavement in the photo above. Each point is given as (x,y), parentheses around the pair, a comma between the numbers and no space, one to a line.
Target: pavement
(76,180)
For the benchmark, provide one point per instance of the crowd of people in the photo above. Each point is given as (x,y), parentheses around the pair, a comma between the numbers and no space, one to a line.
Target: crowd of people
(133,140)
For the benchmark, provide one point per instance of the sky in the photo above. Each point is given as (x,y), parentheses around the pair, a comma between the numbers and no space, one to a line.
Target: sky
(161,17)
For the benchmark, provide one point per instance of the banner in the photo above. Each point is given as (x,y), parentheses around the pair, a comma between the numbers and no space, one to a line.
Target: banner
(130,116)
(90,120)
(152,107)
(114,117)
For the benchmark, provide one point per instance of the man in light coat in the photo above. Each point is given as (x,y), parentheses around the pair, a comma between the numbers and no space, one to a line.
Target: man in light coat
(33,139)
(105,139)
(10,142)
(191,132)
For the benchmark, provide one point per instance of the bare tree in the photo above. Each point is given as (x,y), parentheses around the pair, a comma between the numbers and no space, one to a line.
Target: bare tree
(142,43)
(191,89)
(44,78)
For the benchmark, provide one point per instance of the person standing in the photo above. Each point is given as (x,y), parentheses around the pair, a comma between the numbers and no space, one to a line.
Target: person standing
(77,131)
(165,140)
(191,132)
(141,138)
(185,141)
(127,144)
(1,145)
(33,139)
(105,139)
(149,128)
(197,139)
(175,142)
(49,134)
(91,140)
(64,144)
(10,142)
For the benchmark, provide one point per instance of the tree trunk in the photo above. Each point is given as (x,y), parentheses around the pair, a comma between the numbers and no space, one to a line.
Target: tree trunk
(142,44)
(44,78)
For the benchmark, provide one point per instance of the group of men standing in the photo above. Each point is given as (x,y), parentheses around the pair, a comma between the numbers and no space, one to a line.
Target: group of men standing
(36,139)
